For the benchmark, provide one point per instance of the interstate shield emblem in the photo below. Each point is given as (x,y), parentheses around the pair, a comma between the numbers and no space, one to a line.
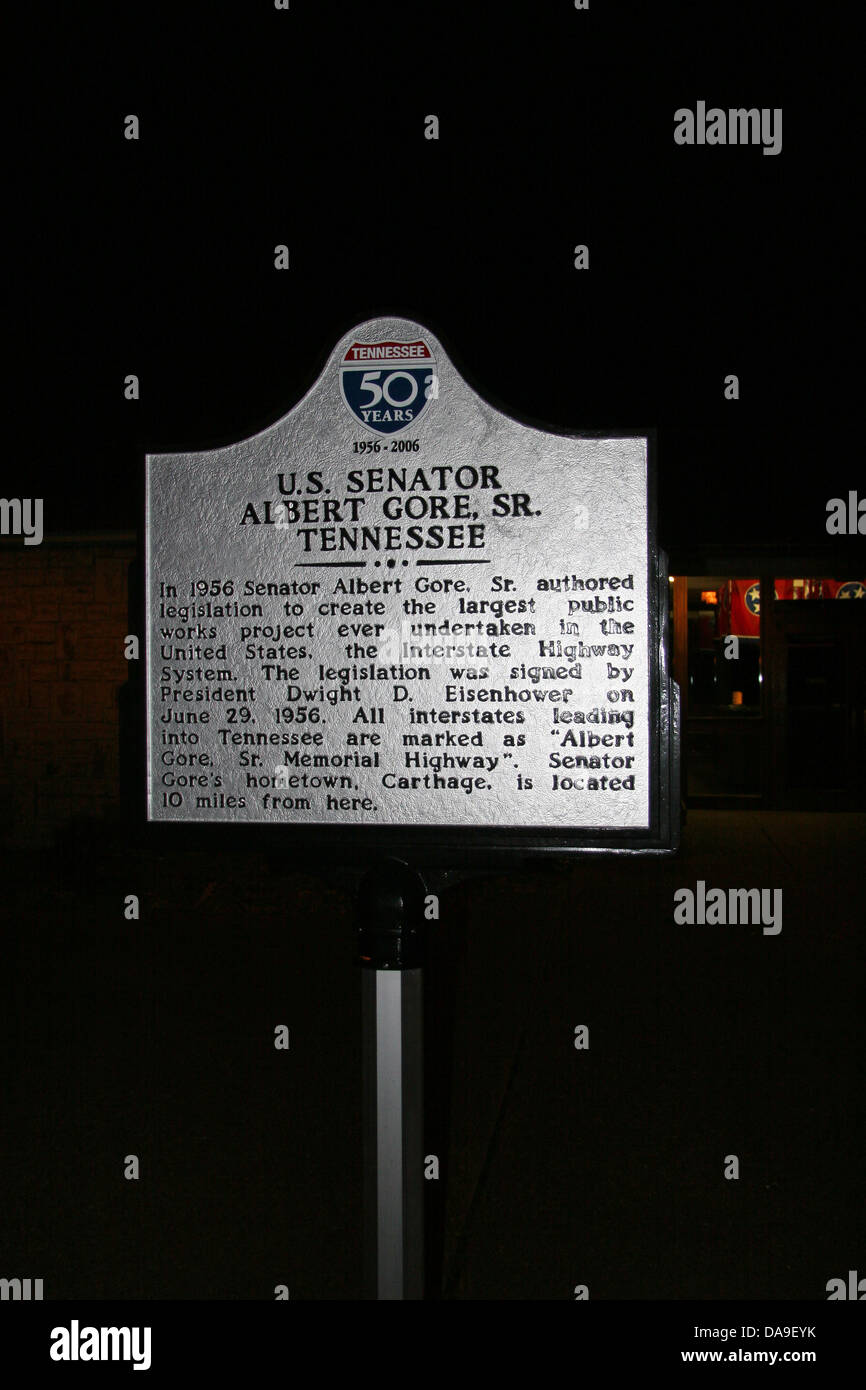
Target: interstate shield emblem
(387,385)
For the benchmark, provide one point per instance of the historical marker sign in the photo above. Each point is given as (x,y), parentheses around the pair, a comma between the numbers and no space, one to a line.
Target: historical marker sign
(399,610)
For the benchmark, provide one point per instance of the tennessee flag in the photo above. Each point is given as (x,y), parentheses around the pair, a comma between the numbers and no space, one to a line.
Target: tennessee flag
(844,588)
(740,608)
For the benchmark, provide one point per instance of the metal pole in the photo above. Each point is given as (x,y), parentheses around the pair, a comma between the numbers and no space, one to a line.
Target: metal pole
(390,918)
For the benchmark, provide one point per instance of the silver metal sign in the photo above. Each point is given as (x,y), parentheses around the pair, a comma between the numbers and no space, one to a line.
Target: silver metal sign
(398,607)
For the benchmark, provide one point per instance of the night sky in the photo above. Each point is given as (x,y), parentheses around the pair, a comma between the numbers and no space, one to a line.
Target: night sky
(306,127)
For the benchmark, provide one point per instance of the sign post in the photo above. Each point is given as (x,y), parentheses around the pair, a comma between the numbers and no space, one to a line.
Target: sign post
(390,923)
(409,628)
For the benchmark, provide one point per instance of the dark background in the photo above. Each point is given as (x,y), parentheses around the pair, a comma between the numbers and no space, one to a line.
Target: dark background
(305,127)
(155,257)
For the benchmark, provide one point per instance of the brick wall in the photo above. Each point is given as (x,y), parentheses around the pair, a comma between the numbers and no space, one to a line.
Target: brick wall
(63,617)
